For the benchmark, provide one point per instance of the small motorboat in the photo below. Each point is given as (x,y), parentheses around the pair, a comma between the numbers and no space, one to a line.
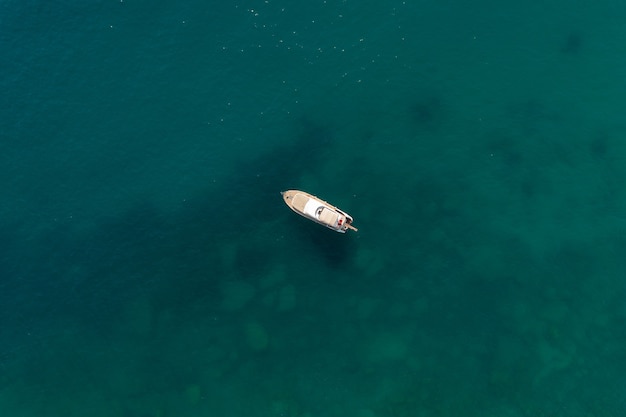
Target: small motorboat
(318,210)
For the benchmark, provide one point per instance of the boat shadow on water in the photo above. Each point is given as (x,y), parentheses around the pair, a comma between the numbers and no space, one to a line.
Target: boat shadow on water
(332,248)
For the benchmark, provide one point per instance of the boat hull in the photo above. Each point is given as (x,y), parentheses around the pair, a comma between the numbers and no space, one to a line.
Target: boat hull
(318,210)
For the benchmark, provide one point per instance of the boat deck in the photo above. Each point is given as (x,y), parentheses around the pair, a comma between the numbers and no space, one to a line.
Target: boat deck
(299,201)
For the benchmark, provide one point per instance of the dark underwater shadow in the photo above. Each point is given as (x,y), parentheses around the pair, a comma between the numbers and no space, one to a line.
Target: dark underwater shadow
(572,44)
(321,245)
(531,117)
(427,112)
(175,257)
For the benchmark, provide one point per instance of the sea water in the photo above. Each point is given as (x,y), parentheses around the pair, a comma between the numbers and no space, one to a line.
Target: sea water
(150,268)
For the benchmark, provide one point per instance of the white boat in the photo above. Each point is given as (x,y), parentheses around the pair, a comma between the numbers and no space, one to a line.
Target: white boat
(318,210)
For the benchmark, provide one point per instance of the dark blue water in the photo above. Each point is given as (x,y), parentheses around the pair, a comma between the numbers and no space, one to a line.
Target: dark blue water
(148,266)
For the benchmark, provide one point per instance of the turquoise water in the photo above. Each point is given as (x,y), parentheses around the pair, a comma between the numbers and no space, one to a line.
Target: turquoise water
(149,267)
